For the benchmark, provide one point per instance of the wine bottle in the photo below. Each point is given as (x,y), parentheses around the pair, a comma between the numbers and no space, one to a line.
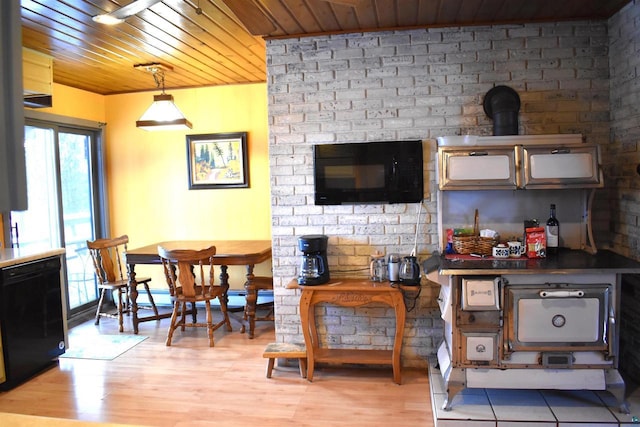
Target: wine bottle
(553,232)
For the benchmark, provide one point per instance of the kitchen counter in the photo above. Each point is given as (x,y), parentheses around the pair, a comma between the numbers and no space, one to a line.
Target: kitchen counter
(9,257)
(566,262)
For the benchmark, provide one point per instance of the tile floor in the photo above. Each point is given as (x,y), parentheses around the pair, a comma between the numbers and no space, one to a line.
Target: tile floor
(530,408)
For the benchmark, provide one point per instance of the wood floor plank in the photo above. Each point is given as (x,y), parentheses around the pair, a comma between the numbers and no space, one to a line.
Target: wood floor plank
(223,386)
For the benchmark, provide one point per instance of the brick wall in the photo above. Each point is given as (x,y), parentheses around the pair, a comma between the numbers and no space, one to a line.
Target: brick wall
(622,156)
(417,84)
(621,160)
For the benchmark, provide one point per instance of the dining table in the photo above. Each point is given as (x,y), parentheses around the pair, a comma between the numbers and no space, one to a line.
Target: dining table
(228,252)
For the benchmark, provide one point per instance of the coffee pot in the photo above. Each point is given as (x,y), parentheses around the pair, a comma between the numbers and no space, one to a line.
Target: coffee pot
(378,268)
(314,268)
(409,273)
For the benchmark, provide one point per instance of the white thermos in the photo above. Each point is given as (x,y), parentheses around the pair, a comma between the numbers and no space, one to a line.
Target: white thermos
(394,267)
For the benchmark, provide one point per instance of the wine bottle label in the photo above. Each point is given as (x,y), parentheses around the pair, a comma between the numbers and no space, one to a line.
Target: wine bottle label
(552,236)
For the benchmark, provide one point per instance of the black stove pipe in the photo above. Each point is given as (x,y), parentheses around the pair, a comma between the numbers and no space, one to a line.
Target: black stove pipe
(502,104)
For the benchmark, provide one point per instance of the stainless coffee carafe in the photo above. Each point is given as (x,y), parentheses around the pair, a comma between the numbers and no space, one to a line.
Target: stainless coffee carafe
(409,271)
(378,268)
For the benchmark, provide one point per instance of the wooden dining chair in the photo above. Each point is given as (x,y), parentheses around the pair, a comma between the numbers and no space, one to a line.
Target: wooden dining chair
(107,255)
(190,277)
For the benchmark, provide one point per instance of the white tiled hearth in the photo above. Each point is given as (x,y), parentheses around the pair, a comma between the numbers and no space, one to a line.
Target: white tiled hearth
(529,408)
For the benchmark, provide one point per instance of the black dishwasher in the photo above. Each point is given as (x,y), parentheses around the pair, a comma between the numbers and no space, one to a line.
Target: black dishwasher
(31,319)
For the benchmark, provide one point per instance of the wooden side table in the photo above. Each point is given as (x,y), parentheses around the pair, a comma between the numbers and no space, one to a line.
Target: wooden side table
(350,293)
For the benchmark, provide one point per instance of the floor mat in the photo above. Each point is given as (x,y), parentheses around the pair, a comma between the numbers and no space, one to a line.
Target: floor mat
(100,347)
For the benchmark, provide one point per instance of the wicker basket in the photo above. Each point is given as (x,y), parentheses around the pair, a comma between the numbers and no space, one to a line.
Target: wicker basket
(466,244)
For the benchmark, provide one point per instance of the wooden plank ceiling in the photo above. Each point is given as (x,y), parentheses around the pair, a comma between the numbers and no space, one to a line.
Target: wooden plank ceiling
(218,42)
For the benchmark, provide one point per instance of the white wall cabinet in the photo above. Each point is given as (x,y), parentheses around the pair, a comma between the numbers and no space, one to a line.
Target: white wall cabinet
(513,162)
(485,168)
(566,166)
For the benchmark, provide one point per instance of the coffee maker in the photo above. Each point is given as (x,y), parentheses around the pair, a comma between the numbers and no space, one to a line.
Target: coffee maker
(314,267)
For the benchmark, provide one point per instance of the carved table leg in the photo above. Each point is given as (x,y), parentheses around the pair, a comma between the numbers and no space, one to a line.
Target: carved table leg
(399,308)
(133,296)
(307,320)
(251,298)
(224,283)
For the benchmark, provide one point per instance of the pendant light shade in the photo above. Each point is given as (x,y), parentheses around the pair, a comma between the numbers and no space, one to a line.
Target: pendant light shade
(163,114)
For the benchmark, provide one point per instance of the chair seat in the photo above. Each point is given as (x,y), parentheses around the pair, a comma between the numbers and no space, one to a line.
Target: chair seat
(120,283)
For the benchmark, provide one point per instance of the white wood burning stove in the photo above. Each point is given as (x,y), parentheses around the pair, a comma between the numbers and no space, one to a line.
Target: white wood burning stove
(527,323)
(535,330)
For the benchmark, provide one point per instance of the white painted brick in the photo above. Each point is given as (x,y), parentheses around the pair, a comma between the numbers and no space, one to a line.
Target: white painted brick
(349,53)
(445,69)
(363,42)
(297,70)
(462,78)
(415,84)
(531,32)
(431,58)
(380,52)
(366,83)
(367,104)
(358,66)
(526,75)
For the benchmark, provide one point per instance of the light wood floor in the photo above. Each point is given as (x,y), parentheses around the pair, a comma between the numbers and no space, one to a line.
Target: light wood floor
(190,384)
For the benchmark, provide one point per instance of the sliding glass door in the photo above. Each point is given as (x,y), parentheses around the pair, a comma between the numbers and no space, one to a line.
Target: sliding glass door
(64,205)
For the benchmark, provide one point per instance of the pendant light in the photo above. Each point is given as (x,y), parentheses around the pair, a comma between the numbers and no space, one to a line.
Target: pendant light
(163,114)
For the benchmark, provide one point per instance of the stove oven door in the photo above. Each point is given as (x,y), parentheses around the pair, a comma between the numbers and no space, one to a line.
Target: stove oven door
(557,317)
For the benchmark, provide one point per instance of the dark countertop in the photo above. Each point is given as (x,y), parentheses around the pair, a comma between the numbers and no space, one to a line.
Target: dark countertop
(566,262)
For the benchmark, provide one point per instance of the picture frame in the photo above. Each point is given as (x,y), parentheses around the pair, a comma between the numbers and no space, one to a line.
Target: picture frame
(218,160)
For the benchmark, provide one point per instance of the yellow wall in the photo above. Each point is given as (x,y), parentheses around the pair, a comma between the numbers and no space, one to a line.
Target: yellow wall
(71,102)
(147,174)
(148,177)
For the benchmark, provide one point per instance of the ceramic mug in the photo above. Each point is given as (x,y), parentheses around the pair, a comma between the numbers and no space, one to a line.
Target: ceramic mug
(516,249)
(500,251)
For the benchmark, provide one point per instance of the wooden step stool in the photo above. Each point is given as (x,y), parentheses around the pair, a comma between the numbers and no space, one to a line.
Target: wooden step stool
(276,350)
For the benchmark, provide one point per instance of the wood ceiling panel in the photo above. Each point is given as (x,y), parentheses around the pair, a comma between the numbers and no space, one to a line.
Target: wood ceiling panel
(303,16)
(408,12)
(349,17)
(469,10)
(386,12)
(179,46)
(428,11)
(224,44)
(323,14)
(449,11)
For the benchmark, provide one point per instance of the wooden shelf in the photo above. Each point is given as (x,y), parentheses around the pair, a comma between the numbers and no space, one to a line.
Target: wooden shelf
(354,356)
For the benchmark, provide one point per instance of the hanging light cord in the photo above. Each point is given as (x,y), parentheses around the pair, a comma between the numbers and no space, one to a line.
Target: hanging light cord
(158,77)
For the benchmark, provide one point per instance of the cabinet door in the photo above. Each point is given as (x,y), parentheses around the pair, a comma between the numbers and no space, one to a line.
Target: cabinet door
(550,166)
(478,168)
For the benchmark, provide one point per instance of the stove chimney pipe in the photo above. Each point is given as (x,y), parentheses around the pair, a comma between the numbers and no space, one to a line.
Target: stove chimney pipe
(502,104)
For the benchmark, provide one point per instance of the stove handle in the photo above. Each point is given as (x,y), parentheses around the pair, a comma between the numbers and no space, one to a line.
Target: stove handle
(611,330)
(561,294)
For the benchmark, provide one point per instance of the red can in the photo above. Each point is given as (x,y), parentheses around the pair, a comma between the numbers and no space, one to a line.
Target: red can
(536,242)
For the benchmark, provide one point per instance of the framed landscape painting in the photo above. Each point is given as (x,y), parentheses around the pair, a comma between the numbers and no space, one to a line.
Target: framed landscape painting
(218,160)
